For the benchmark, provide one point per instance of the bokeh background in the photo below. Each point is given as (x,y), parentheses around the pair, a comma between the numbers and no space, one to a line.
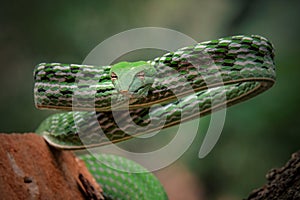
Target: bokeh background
(258,135)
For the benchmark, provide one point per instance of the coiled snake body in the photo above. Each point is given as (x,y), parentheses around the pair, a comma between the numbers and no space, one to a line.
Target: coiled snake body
(186,83)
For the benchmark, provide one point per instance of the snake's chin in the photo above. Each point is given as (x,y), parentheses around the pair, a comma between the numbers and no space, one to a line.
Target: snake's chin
(141,93)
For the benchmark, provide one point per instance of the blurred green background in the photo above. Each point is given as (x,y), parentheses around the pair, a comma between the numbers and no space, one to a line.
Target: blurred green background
(258,135)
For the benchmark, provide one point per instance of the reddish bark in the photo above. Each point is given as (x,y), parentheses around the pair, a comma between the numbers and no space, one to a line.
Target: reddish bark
(30,169)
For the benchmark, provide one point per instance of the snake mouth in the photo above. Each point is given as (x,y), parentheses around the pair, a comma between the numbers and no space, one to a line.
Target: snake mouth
(126,93)
(138,93)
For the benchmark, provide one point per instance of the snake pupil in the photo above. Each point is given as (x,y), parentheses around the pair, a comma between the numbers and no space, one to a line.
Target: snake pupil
(113,76)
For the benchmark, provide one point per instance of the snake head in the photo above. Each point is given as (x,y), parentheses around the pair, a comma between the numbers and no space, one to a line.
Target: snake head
(133,79)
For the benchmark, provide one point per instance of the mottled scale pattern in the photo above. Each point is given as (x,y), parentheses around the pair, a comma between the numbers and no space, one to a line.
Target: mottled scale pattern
(212,63)
(95,129)
(65,85)
(112,181)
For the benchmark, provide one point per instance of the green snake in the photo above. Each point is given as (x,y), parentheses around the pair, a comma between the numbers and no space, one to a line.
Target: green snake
(122,99)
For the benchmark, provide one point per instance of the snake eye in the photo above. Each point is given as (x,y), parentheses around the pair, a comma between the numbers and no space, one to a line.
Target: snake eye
(113,76)
(141,75)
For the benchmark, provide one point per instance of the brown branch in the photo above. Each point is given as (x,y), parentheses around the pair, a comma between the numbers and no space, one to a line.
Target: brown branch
(30,169)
